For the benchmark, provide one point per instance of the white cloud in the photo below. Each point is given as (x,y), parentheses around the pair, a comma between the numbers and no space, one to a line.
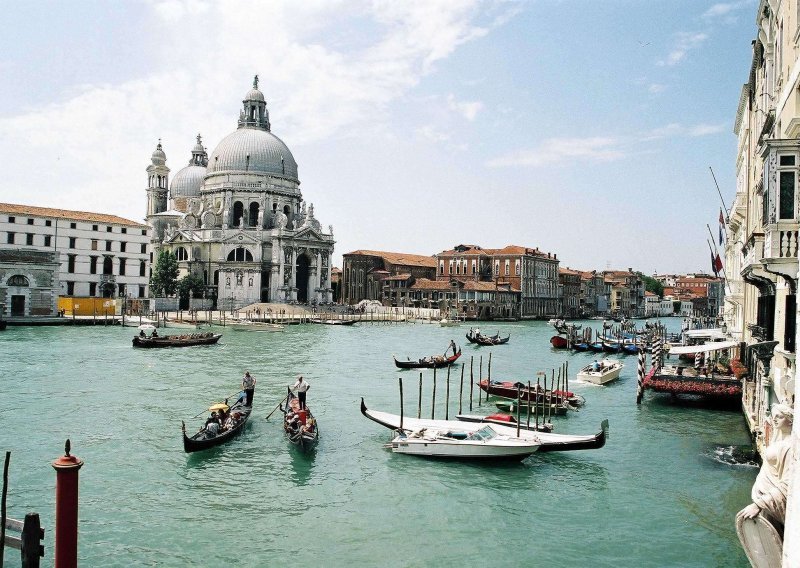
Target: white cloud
(431,133)
(328,68)
(684,43)
(557,150)
(467,109)
(706,129)
(725,9)
(656,88)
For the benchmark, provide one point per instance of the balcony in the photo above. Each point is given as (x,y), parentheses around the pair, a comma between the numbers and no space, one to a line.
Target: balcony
(108,279)
(780,241)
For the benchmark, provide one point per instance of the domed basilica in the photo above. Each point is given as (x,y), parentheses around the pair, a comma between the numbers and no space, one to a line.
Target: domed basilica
(237,218)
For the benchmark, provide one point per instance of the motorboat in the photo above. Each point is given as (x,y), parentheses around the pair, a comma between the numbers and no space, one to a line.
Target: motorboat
(485,443)
(601,372)
(444,322)
(548,442)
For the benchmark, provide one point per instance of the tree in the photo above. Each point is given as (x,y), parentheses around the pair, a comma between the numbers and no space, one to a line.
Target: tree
(652,285)
(164,279)
(190,283)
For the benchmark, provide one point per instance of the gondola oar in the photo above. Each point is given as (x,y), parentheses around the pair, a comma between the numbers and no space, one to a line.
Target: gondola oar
(277,407)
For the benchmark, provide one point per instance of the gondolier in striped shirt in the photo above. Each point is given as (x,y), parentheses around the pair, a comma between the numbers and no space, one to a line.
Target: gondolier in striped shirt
(248,386)
(301,387)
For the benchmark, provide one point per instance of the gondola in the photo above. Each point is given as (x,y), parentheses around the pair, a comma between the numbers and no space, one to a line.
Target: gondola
(300,425)
(508,389)
(435,362)
(496,340)
(177,340)
(472,336)
(204,440)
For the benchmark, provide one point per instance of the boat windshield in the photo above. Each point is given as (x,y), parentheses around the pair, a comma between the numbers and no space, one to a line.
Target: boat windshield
(483,434)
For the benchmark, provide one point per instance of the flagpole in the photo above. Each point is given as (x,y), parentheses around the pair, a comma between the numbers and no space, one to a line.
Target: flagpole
(715,248)
(724,207)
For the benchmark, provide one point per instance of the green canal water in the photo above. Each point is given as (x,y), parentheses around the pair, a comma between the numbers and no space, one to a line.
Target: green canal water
(656,495)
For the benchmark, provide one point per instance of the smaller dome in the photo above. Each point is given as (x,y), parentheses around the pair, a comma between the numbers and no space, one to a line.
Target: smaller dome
(159,158)
(187,182)
(254,95)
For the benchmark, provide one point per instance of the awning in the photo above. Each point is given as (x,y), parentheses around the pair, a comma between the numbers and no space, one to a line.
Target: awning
(705,348)
(714,332)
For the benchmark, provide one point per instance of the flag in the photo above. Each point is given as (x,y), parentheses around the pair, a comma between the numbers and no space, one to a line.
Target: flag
(714,264)
(720,235)
(721,224)
(717,264)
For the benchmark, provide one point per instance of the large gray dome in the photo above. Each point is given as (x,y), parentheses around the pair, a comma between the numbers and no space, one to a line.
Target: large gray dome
(187,182)
(253,150)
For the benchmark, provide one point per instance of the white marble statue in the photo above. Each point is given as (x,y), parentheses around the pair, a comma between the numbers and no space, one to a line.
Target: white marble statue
(771,486)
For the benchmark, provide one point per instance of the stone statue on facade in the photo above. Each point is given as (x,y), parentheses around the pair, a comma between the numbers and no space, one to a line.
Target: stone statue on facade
(281,220)
(760,524)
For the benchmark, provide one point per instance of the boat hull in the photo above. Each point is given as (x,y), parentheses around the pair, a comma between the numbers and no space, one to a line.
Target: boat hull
(559,342)
(171,341)
(427,364)
(198,443)
(463,450)
(587,375)
(548,442)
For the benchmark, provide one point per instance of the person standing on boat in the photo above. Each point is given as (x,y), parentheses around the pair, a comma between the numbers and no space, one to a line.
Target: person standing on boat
(249,387)
(451,346)
(301,387)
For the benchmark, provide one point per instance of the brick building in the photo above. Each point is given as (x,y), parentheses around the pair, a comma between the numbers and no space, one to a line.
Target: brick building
(365,274)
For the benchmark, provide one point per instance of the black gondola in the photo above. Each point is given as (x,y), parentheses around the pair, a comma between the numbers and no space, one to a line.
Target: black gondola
(435,362)
(177,340)
(495,340)
(204,440)
(473,336)
(300,425)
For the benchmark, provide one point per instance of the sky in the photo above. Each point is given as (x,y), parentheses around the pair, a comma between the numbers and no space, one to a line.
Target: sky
(584,128)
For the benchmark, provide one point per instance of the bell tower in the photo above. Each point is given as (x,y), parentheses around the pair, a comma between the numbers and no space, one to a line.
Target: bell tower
(255,113)
(157,182)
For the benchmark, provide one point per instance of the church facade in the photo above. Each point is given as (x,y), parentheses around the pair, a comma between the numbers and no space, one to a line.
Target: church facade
(237,218)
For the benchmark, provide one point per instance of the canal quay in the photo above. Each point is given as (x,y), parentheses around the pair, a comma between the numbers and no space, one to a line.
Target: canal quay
(660,493)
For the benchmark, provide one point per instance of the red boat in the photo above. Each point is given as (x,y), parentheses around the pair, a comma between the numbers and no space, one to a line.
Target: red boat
(508,389)
(559,342)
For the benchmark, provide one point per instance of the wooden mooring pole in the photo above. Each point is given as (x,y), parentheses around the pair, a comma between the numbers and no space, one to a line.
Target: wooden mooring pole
(400,379)
(447,396)
(471,383)
(419,403)
(433,398)
(461,390)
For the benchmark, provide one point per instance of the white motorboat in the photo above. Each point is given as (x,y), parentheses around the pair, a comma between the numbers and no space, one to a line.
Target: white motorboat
(487,442)
(444,322)
(601,372)
(248,325)
(548,442)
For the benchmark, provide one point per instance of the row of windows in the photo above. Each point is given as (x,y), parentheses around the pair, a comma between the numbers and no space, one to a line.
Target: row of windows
(108,265)
(47,241)
(93,289)
(49,223)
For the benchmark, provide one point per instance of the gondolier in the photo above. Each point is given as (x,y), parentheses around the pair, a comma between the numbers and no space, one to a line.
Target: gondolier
(301,387)
(249,386)
(451,346)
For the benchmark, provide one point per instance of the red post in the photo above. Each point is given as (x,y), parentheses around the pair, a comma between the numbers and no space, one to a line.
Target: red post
(66,549)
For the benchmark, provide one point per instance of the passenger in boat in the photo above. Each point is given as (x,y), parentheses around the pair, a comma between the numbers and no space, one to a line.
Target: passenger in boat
(301,387)
(249,387)
(595,366)
(212,424)
(222,417)
(141,333)
(154,334)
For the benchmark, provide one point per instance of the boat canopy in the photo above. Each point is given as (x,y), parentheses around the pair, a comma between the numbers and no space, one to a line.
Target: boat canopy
(712,333)
(708,347)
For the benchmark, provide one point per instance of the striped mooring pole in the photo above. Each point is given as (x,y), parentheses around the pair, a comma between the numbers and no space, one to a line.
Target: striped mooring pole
(640,377)
(697,358)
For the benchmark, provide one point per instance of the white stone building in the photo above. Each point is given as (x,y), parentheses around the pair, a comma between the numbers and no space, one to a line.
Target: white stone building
(96,255)
(237,218)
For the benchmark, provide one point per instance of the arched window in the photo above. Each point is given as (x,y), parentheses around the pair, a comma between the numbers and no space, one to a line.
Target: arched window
(253,215)
(238,212)
(108,265)
(286,210)
(182,253)
(142,268)
(18,280)
(240,255)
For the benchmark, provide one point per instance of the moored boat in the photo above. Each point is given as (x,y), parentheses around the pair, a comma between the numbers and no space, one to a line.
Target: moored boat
(559,342)
(509,389)
(485,443)
(248,325)
(208,437)
(540,408)
(601,372)
(186,340)
(333,321)
(299,424)
(505,420)
(548,442)
(432,362)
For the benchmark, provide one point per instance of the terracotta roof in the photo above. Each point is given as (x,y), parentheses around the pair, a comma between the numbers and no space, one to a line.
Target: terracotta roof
(400,258)
(569,271)
(473,286)
(470,250)
(425,284)
(10,208)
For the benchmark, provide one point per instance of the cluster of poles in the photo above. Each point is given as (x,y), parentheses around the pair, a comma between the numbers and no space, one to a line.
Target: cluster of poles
(656,342)
(543,404)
